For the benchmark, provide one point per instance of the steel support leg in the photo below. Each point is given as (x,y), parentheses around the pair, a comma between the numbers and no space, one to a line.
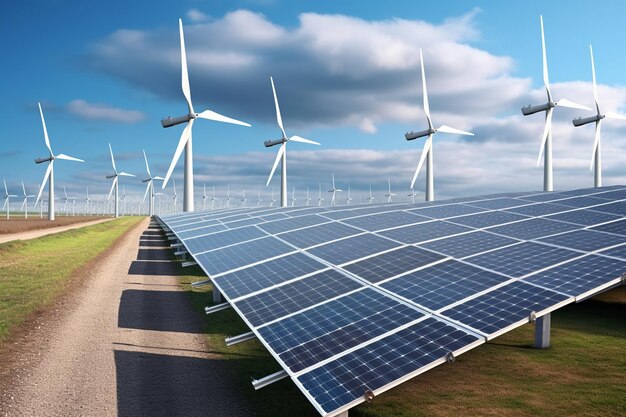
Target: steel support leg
(217,297)
(542,332)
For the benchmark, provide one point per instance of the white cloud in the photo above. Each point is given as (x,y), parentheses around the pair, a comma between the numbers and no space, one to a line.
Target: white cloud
(104,112)
(196,15)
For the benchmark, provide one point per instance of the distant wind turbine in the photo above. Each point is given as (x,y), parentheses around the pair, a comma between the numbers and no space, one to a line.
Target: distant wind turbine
(349,198)
(150,186)
(320,199)
(427,152)
(185,139)
(25,201)
(371,197)
(115,184)
(308,197)
(334,190)
(259,200)
(7,199)
(412,195)
(389,194)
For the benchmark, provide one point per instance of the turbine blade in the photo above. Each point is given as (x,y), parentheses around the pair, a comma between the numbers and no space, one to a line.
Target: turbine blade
(615,116)
(125,174)
(546,130)
(112,158)
(546,80)
(333,181)
(425,151)
(183,64)
(425,92)
(596,142)
(279,155)
(296,138)
(147,166)
(6,190)
(68,158)
(448,129)
(45,131)
(593,78)
(570,104)
(45,180)
(279,119)
(158,178)
(211,115)
(23,189)
(184,137)
(112,187)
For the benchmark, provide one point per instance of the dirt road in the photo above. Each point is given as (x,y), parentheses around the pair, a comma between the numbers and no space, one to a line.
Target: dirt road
(127,344)
(33,234)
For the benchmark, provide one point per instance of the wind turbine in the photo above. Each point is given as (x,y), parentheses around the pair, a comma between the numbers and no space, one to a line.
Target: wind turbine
(334,190)
(175,198)
(308,197)
(25,202)
(88,200)
(243,199)
(273,200)
(213,199)
(204,197)
(115,184)
(320,199)
(427,152)
(389,195)
(66,200)
(259,200)
(412,195)
(293,196)
(349,198)
(596,157)
(7,197)
(150,186)
(281,155)
(228,197)
(546,138)
(185,139)
(371,197)
(50,171)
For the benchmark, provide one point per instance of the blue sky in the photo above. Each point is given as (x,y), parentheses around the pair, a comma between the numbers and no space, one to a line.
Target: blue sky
(347,75)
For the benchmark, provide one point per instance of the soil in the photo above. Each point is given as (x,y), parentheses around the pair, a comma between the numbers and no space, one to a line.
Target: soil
(20,224)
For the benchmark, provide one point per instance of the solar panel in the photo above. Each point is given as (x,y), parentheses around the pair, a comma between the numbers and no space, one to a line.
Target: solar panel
(200,231)
(353,248)
(218,240)
(315,235)
(580,276)
(382,363)
(341,213)
(618,227)
(450,210)
(242,223)
(440,285)
(506,306)
(618,208)
(583,217)
(490,218)
(612,195)
(385,220)
(542,197)
(424,231)
(267,274)
(585,240)
(468,244)
(389,264)
(286,225)
(313,335)
(618,252)
(580,202)
(295,296)
(498,203)
(532,228)
(518,260)
(539,209)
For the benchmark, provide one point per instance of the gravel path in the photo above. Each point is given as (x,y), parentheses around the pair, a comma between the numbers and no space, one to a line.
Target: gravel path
(127,344)
(33,234)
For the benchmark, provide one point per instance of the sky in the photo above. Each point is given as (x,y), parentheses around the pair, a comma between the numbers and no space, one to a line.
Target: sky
(347,75)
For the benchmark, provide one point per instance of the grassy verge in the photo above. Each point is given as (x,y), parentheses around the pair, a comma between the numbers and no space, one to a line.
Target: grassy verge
(33,273)
(581,374)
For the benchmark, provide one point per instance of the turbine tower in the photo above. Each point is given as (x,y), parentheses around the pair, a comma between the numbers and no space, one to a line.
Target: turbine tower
(175,198)
(204,197)
(185,139)
(88,200)
(150,186)
(243,199)
(389,194)
(320,199)
(349,198)
(596,156)
(427,152)
(308,197)
(115,184)
(371,197)
(50,171)
(25,202)
(213,199)
(281,155)
(259,200)
(7,199)
(334,190)
(546,138)
(412,195)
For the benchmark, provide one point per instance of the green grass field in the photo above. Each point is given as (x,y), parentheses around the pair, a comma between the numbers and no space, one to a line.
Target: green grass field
(583,373)
(33,273)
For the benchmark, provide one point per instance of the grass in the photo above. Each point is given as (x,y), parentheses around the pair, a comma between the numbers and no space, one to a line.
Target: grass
(34,273)
(583,373)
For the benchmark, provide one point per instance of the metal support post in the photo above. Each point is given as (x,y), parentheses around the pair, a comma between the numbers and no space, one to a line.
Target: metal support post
(542,332)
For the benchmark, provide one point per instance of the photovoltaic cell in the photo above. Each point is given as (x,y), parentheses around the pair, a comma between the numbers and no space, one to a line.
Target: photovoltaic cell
(390,264)
(229,218)
(233,257)
(340,214)
(295,296)
(275,216)
(612,195)
(491,218)
(326,330)
(201,231)
(618,208)
(545,196)
(581,202)
(373,366)
(353,248)
(286,225)
(618,252)
(194,224)
(424,231)
(245,222)
(580,276)
(322,233)
(440,285)
(532,228)
(539,209)
(585,240)
(504,306)
(468,244)
(218,240)
(498,203)
(262,276)
(618,227)
(450,210)
(519,260)
(385,220)
(583,217)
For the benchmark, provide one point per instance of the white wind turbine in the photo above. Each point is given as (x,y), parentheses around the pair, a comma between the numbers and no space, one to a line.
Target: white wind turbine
(259,200)
(50,171)
(115,184)
(185,141)
(273,200)
(281,155)
(427,152)
(243,199)
(371,197)
(204,197)
(320,199)
(150,187)
(412,195)
(175,198)
(349,198)
(546,138)
(7,199)
(308,197)
(389,194)
(293,196)
(66,200)
(25,202)
(596,157)
(88,201)
(334,190)
(213,199)
(228,197)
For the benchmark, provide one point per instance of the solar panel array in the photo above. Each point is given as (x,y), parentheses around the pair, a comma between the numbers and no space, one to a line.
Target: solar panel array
(358,299)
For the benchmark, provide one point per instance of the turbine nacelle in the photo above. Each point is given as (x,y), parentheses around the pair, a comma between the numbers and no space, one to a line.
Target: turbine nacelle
(173,121)
(420,134)
(270,143)
(580,121)
(528,110)
(42,160)
(108,177)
